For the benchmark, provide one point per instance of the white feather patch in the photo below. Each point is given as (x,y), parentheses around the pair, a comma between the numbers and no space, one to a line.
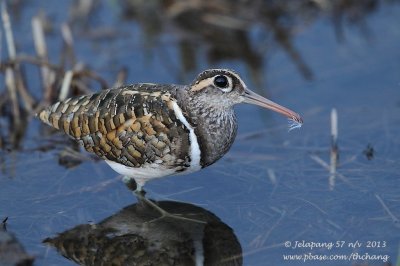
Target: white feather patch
(195,153)
(146,172)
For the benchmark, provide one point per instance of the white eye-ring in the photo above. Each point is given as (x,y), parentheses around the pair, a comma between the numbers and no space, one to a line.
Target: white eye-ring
(223,82)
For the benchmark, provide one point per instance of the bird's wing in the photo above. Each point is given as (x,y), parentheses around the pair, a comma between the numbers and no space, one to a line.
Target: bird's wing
(132,126)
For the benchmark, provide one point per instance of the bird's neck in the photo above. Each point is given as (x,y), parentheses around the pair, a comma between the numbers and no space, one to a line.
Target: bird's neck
(215,127)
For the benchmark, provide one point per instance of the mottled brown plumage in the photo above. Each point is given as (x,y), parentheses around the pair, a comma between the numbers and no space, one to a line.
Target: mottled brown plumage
(132,125)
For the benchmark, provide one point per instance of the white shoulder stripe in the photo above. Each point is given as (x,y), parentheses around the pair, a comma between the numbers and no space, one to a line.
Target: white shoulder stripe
(195,153)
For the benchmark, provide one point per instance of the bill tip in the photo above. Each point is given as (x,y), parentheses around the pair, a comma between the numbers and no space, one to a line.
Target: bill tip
(295,122)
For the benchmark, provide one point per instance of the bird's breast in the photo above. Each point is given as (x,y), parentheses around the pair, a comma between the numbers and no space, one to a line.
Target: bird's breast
(216,134)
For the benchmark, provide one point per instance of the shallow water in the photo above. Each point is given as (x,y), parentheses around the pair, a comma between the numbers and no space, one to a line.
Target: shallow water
(272,187)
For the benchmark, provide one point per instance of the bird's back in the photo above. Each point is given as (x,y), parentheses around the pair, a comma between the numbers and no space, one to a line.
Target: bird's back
(134,126)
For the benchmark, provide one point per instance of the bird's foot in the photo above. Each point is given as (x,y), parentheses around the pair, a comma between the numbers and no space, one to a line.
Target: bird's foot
(140,194)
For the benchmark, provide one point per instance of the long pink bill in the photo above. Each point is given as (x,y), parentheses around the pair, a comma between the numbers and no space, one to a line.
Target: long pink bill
(295,120)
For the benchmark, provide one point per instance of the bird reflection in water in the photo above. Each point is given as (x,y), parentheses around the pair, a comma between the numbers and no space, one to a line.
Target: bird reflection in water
(137,235)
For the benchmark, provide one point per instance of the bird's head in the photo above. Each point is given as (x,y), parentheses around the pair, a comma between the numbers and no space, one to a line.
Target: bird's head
(224,88)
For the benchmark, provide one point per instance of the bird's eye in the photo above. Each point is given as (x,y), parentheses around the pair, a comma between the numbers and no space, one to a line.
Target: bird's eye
(221,81)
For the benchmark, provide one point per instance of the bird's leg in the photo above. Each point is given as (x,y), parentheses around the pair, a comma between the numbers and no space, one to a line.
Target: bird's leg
(130,183)
(164,214)
(137,189)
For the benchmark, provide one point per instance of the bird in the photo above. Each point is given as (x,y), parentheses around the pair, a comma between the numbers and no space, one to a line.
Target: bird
(147,131)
